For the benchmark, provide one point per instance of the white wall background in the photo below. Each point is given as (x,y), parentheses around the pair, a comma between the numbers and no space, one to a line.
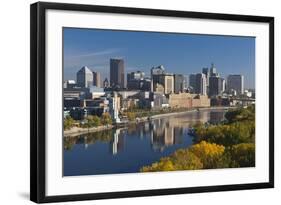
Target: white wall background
(14,86)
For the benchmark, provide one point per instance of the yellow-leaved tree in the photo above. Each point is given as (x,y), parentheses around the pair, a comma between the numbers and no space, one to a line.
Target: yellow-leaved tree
(210,154)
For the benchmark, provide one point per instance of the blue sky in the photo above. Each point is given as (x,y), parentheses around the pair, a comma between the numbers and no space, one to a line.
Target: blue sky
(179,53)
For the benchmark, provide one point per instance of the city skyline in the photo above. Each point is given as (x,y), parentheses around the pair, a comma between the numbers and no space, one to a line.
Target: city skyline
(180,54)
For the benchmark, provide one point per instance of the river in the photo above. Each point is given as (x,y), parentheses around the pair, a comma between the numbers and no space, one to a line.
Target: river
(126,150)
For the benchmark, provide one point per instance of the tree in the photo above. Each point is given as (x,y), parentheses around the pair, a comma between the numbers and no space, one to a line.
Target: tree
(210,154)
(68,123)
(199,156)
(243,155)
(93,121)
(131,116)
(165,164)
(106,119)
(184,159)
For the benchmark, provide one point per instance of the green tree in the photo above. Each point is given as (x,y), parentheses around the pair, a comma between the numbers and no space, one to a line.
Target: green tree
(106,119)
(93,121)
(68,123)
(131,116)
(243,155)
(183,159)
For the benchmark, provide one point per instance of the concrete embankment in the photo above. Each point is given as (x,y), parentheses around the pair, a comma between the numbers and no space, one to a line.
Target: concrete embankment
(74,131)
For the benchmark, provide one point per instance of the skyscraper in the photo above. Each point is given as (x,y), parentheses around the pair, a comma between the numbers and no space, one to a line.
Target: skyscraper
(117,73)
(105,83)
(155,76)
(198,83)
(160,77)
(235,82)
(223,85)
(207,74)
(84,77)
(201,86)
(96,79)
(192,81)
(185,82)
(137,75)
(168,80)
(213,71)
(216,85)
(178,83)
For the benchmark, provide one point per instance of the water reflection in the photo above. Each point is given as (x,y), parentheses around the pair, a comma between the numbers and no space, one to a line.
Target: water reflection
(127,149)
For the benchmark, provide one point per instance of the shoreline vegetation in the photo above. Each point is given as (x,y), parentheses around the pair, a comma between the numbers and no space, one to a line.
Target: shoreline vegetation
(96,124)
(229,144)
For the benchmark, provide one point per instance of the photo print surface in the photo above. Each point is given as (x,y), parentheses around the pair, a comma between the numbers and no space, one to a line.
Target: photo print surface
(137,101)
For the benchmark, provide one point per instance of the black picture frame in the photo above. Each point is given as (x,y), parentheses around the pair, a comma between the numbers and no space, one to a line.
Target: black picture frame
(38,103)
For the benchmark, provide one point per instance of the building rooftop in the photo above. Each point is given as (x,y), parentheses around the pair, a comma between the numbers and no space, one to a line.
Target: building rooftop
(85,69)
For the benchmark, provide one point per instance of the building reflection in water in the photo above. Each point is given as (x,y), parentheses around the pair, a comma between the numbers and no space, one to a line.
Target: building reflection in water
(162,132)
(165,133)
(117,143)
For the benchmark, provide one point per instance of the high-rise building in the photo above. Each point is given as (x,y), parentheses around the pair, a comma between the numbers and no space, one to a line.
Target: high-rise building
(84,77)
(96,79)
(160,77)
(179,83)
(216,85)
(235,82)
(117,73)
(185,82)
(198,83)
(137,81)
(201,86)
(138,75)
(223,85)
(207,74)
(213,71)
(192,81)
(105,83)
(155,73)
(168,80)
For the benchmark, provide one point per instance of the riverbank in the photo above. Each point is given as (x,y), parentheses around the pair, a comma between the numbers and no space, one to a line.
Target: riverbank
(74,131)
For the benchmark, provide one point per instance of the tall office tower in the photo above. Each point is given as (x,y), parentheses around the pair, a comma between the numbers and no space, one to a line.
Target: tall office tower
(201,86)
(96,79)
(136,81)
(216,85)
(84,77)
(198,83)
(178,83)
(192,81)
(117,73)
(223,84)
(160,78)
(185,82)
(138,75)
(105,83)
(207,74)
(168,82)
(213,71)
(235,82)
(155,73)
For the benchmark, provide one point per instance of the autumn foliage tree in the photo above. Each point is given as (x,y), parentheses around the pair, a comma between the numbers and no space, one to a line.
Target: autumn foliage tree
(106,119)
(68,123)
(200,156)
(229,144)
(243,155)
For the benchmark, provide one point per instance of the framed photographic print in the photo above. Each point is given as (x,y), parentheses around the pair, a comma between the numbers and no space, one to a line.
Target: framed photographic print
(129,102)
